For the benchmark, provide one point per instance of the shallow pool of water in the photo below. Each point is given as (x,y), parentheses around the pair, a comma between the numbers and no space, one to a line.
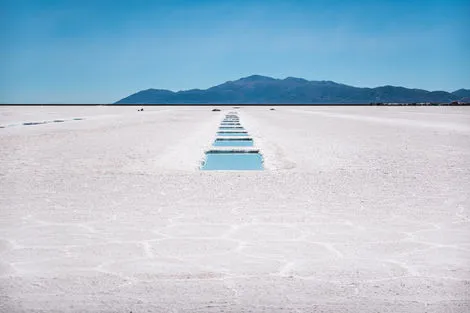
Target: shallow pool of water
(231,128)
(233,143)
(35,123)
(231,134)
(233,161)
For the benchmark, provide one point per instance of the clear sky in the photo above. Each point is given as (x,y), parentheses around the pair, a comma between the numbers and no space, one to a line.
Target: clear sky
(99,51)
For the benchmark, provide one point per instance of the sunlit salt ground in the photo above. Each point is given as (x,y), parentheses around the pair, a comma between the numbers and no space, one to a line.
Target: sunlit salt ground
(362,209)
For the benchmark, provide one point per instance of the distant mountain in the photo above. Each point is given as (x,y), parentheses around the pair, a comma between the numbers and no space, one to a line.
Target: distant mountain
(462,93)
(257,89)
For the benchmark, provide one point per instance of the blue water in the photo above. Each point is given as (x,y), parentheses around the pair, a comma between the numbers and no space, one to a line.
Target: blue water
(233,143)
(232,134)
(34,123)
(233,161)
(47,122)
(231,128)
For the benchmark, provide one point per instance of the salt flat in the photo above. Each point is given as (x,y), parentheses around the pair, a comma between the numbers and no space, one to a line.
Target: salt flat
(360,209)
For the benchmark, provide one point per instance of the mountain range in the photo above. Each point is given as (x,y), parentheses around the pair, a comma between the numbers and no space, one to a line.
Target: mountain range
(257,89)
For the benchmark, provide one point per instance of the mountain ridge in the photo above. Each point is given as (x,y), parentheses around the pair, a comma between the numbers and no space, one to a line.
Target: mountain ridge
(258,89)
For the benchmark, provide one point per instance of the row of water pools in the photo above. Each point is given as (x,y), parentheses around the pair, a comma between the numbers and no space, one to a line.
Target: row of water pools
(232,148)
(40,122)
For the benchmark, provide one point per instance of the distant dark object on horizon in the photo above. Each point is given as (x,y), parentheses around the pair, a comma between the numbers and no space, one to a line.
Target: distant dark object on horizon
(272,109)
(140,110)
(453,103)
(215,110)
(258,89)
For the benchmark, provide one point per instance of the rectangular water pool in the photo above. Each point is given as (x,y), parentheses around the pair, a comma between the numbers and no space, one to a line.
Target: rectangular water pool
(231,134)
(233,161)
(233,143)
(231,128)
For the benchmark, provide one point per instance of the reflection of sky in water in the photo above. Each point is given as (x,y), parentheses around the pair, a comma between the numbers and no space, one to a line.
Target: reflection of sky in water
(233,143)
(232,134)
(230,128)
(40,123)
(233,161)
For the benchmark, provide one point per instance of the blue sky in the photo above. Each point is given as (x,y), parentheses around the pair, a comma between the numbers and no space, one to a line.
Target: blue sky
(99,51)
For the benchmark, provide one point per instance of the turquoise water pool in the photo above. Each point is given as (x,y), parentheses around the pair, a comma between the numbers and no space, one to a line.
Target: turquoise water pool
(231,134)
(233,161)
(233,143)
(231,128)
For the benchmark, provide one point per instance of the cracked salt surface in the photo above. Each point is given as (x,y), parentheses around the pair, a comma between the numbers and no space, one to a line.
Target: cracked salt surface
(113,214)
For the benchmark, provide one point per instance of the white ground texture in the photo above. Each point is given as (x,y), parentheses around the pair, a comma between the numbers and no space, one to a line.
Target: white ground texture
(359,209)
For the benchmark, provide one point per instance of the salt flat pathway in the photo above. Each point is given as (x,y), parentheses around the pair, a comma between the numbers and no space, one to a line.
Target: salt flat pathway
(359,210)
